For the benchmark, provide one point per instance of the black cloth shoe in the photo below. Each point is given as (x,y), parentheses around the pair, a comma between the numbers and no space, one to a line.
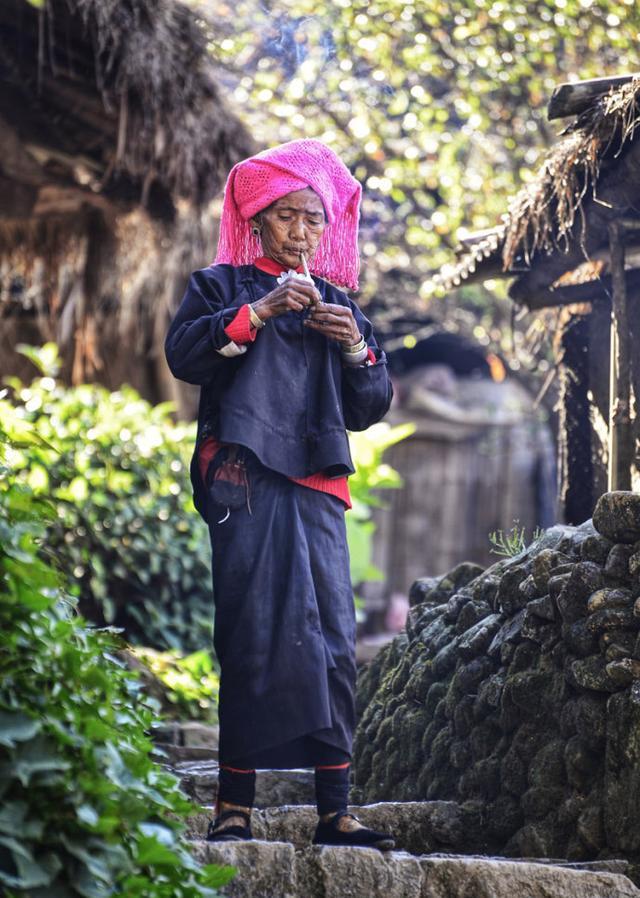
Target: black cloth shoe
(229,833)
(327,833)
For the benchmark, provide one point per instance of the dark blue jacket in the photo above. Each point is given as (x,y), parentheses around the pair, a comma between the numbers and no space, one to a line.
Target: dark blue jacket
(289,398)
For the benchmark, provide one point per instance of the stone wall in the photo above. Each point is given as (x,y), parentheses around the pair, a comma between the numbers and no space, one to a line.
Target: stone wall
(516,692)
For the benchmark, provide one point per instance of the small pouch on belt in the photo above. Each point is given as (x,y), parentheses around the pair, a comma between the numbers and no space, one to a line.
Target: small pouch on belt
(229,487)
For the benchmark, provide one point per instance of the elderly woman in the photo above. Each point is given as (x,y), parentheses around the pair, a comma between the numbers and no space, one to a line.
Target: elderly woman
(286,363)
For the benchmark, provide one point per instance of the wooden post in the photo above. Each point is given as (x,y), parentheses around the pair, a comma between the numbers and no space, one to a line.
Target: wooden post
(620,445)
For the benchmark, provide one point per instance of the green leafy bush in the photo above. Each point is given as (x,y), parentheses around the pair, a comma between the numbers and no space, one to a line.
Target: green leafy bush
(84,810)
(124,526)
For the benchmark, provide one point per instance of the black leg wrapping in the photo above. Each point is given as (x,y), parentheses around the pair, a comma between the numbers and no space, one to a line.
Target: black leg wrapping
(332,789)
(236,787)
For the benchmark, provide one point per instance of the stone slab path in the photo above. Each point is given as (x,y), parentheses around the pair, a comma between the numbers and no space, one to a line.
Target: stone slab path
(438,857)
(419,826)
(277,870)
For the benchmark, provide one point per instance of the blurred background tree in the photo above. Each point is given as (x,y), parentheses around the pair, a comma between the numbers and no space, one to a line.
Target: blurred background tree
(439,108)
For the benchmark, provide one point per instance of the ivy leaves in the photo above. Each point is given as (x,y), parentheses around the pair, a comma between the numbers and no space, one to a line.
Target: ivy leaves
(84,812)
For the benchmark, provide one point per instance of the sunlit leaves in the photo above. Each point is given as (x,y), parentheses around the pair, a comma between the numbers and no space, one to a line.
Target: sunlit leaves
(192,681)
(438,107)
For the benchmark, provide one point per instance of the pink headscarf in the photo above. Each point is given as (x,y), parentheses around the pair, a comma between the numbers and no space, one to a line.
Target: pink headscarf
(257,182)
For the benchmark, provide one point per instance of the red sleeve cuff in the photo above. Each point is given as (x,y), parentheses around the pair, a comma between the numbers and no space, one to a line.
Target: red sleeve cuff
(371,356)
(240,329)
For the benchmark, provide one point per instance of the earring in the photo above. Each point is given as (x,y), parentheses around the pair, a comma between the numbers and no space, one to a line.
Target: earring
(255,231)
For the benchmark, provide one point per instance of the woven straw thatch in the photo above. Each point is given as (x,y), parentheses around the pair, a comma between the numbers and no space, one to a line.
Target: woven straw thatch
(548,215)
(116,93)
(114,139)
(543,214)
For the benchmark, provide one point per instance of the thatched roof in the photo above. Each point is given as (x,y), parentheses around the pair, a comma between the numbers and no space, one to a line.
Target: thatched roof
(114,136)
(114,97)
(554,235)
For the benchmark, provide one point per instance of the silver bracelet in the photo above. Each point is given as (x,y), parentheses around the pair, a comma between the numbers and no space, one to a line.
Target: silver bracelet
(255,319)
(357,347)
(355,358)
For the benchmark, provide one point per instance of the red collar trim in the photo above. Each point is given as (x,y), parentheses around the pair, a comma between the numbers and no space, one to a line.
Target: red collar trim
(271,266)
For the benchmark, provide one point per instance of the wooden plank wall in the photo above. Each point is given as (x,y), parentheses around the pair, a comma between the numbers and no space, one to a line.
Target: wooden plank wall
(460,483)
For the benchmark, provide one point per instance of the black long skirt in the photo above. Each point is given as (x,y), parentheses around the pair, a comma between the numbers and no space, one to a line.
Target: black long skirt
(284,626)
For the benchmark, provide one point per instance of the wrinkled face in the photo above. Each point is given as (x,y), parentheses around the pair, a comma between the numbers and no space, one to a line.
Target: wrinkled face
(293,223)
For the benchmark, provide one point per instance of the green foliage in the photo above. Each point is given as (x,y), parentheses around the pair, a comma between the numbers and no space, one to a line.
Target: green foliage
(367,448)
(192,681)
(123,527)
(512,542)
(84,810)
(438,107)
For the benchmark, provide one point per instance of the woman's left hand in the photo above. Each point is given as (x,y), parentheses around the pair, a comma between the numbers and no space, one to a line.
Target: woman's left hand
(334,321)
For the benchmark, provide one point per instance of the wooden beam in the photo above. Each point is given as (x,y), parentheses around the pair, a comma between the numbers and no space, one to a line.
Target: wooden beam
(564,296)
(620,439)
(574,97)
(598,364)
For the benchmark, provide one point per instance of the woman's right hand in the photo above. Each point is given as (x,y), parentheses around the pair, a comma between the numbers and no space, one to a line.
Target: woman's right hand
(291,296)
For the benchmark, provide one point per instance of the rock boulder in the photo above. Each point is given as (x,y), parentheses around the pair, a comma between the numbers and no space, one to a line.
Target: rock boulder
(517,697)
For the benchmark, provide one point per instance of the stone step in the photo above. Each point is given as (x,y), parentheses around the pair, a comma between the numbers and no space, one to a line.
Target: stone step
(419,827)
(277,870)
(199,780)
(191,733)
(181,754)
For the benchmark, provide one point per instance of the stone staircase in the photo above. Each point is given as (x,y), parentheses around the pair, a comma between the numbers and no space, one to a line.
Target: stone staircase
(439,856)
